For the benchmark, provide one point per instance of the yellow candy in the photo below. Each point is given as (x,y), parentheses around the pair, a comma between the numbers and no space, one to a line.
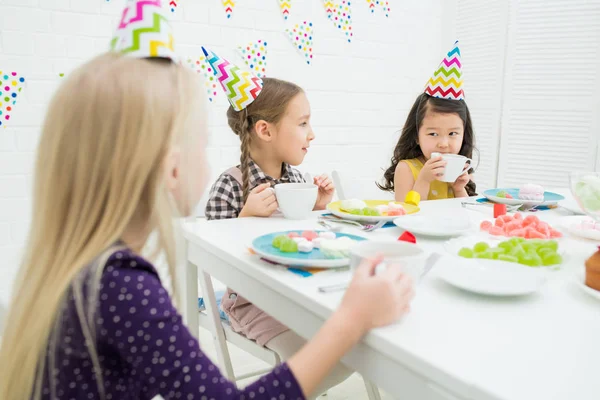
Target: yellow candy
(413,198)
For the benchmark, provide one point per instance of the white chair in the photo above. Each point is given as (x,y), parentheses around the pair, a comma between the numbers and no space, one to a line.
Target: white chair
(362,188)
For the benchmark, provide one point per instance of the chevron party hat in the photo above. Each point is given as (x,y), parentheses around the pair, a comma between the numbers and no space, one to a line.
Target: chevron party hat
(144,31)
(241,87)
(447,82)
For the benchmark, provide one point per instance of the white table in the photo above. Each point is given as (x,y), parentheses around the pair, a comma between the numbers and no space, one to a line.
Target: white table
(453,344)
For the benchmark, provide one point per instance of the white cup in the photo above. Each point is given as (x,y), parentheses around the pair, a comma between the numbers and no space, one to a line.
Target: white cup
(455,166)
(410,257)
(296,200)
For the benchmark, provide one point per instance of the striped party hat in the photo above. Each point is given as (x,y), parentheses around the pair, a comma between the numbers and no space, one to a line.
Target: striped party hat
(447,82)
(241,87)
(144,31)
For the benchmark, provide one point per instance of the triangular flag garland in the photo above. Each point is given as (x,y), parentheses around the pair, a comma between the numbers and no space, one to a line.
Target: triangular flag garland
(144,31)
(340,13)
(241,87)
(383,4)
(11,84)
(302,37)
(447,82)
(201,65)
(255,57)
(228,5)
(173,5)
(285,6)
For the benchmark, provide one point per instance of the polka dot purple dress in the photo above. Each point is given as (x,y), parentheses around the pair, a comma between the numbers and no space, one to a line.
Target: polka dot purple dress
(143,347)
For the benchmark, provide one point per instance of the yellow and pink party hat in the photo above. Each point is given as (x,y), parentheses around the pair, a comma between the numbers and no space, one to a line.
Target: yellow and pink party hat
(144,31)
(240,86)
(447,82)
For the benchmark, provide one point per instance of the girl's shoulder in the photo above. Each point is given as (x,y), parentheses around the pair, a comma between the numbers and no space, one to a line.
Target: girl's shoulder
(124,261)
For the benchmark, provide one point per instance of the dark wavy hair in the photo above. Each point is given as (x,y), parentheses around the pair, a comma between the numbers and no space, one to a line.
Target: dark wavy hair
(408,144)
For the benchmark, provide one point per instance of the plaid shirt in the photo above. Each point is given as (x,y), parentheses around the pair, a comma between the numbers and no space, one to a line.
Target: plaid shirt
(226,195)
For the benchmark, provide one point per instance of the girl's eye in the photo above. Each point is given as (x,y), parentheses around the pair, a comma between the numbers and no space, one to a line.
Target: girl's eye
(433,134)
(304,124)
(454,134)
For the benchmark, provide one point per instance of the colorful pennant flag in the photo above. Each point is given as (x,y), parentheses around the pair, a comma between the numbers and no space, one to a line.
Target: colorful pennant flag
(383,4)
(285,6)
(229,5)
(11,84)
(301,36)
(241,87)
(255,57)
(447,81)
(201,66)
(340,13)
(144,31)
(173,5)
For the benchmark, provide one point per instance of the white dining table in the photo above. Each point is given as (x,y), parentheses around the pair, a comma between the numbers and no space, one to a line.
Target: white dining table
(453,344)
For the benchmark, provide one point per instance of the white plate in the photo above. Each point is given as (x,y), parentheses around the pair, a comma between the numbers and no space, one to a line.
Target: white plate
(571,205)
(436,225)
(573,224)
(492,277)
(579,279)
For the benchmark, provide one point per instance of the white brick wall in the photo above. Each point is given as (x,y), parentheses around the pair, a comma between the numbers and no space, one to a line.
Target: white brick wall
(359,92)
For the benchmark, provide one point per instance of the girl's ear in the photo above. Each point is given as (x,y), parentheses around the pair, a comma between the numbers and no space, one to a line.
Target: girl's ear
(172,169)
(264,130)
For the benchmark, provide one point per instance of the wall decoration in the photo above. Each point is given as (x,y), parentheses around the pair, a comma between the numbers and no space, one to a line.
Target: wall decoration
(381,4)
(228,5)
(11,84)
(285,6)
(301,36)
(339,12)
(255,57)
(201,66)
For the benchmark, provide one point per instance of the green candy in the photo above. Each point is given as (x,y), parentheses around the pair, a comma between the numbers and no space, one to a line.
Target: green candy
(506,257)
(278,240)
(356,212)
(506,246)
(289,246)
(466,252)
(552,259)
(487,255)
(481,247)
(516,240)
(530,260)
(371,212)
(551,244)
(517,252)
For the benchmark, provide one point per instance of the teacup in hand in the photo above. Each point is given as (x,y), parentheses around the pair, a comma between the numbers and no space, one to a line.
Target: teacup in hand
(455,166)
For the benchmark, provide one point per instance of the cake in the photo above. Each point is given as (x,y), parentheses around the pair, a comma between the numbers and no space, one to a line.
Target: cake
(592,271)
(531,192)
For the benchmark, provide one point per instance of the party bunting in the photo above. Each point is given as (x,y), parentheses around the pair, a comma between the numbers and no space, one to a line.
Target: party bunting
(301,36)
(447,81)
(382,4)
(201,66)
(340,13)
(144,31)
(229,5)
(285,6)
(255,57)
(241,87)
(11,84)
(173,5)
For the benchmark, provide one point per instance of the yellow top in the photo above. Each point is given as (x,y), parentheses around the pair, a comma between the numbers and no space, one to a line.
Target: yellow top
(437,190)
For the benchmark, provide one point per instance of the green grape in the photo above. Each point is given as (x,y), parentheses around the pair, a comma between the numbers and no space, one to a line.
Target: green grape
(480,247)
(552,259)
(289,246)
(466,252)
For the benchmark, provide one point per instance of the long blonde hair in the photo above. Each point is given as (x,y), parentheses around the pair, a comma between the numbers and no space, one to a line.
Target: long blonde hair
(99,172)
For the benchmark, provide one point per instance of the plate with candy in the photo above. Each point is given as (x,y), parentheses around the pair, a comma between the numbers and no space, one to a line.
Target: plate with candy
(582,226)
(528,252)
(516,225)
(316,249)
(370,210)
(529,194)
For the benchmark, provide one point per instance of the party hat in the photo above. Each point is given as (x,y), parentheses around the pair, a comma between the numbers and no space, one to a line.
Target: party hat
(144,31)
(241,87)
(447,82)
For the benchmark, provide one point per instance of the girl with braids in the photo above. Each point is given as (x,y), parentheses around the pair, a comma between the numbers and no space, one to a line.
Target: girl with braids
(275,134)
(438,122)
